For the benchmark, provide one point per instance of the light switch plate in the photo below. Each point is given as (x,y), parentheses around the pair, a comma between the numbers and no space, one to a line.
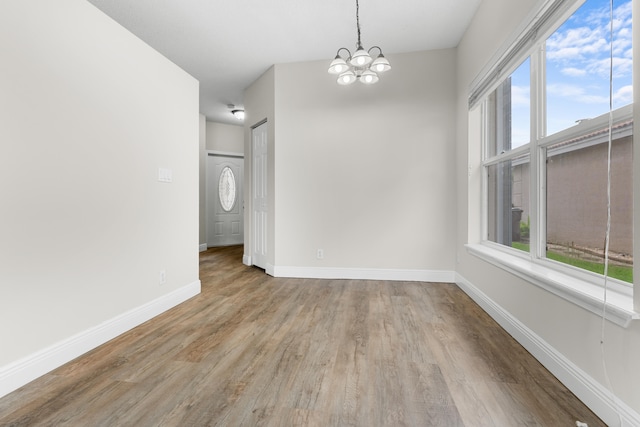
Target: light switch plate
(165,175)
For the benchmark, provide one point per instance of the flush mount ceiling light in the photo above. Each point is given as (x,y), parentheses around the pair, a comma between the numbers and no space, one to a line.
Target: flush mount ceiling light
(359,66)
(237,113)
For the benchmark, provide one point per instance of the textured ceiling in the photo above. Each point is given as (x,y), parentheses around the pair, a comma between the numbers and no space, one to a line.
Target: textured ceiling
(227,45)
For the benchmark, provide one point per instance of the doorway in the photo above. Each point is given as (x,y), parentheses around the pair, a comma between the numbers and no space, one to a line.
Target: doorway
(225,204)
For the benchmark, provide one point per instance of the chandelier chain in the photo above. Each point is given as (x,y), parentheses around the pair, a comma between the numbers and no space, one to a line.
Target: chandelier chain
(358,23)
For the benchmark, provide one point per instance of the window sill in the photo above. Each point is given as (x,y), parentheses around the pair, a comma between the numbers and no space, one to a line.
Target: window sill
(619,307)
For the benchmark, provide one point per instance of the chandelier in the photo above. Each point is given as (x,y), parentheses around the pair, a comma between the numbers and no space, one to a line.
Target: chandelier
(359,66)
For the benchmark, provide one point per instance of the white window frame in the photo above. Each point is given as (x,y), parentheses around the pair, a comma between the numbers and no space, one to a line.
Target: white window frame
(579,286)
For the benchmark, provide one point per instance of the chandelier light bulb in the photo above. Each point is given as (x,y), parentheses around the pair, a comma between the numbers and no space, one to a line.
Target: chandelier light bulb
(368,77)
(360,58)
(338,65)
(347,78)
(380,64)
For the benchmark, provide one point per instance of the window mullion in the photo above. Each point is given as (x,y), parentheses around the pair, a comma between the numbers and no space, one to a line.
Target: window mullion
(537,158)
(485,171)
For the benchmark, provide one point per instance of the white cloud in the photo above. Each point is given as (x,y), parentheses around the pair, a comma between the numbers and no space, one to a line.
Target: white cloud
(582,44)
(520,95)
(621,67)
(578,94)
(574,44)
(622,13)
(565,90)
(624,95)
(574,72)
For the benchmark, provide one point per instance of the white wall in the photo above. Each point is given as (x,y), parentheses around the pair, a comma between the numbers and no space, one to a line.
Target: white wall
(364,172)
(570,330)
(224,137)
(360,172)
(89,113)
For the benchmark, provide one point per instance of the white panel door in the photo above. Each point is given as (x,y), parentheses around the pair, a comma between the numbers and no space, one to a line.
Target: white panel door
(225,206)
(259,195)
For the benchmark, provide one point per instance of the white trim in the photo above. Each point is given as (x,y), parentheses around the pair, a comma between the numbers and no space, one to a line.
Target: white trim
(270,270)
(27,369)
(570,287)
(224,153)
(246,260)
(365,274)
(203,247)
(587,389)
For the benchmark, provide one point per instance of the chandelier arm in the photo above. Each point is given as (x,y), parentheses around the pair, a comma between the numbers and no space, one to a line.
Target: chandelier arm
(375,47)
(343,48)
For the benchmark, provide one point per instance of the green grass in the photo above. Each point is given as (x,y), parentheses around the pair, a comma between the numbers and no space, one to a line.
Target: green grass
(621,273)
(520,246)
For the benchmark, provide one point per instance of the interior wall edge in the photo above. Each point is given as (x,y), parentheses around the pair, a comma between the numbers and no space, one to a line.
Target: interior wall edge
(586,388)
(27,369)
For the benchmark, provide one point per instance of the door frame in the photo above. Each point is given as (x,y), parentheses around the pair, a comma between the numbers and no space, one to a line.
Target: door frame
(207,192)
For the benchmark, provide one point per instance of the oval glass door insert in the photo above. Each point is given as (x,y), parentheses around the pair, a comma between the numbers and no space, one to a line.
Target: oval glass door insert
(227,189)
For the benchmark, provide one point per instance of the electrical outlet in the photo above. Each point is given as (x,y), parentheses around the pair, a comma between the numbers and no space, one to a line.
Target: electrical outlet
(163,277)
(320,254)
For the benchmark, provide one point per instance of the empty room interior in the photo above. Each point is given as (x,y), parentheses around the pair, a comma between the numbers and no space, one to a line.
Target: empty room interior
(350,212)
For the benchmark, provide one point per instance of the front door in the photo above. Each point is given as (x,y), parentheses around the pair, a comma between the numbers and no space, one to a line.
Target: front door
(225,223)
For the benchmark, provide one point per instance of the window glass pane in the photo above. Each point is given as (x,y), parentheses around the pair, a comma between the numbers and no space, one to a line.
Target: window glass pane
(227,189)
(509,112)
(577,202)
(509,202)
(577,64)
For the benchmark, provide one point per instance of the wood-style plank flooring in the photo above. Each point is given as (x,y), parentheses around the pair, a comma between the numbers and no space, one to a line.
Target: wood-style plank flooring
(256,350)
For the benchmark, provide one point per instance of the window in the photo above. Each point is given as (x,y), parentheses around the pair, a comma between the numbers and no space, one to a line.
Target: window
(508,112)
(545,174)
(227,189)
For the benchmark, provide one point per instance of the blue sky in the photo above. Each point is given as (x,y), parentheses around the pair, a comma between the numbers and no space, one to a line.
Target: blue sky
(578,54)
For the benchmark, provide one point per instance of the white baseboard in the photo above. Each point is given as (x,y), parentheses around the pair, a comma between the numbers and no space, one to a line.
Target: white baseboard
(23,371)
(246,260)
(270,270)
(203,247)
(365,274)
(587,389)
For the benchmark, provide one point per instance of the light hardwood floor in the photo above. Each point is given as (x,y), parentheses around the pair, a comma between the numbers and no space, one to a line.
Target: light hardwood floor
(257,350)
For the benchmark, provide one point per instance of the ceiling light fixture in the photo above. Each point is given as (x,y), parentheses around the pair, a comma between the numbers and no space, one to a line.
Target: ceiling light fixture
(238,114)
(359,66)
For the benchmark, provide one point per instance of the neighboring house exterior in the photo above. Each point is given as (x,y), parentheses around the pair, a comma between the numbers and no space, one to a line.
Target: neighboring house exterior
(577,192)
